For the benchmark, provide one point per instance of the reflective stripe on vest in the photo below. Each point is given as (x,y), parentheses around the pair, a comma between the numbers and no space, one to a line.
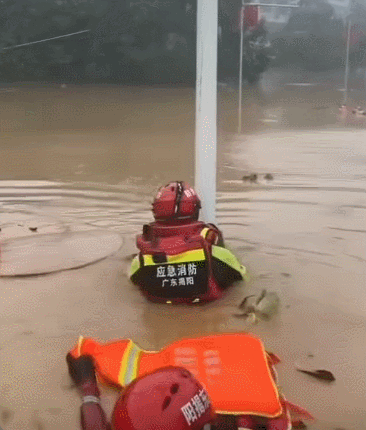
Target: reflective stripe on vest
(218,252)
(204,232)
(243,361)
(135,265)
(129,364)
(184,257)
(228,258)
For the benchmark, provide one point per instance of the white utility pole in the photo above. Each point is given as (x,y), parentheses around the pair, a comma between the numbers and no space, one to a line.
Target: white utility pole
(206,106)
(346,73)
(241,64)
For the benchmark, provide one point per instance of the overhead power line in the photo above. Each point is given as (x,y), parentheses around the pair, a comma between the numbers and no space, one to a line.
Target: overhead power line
(45,40)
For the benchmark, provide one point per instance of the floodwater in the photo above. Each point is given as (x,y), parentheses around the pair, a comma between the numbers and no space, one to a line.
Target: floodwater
(90,159)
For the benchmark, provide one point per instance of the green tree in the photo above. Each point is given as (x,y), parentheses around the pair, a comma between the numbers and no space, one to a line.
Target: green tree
(32,20)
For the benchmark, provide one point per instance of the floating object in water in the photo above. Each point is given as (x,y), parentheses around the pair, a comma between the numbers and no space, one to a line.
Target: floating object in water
(268,177)
(244,302)
(264,308)
(267,305)
(261,296)
(34,229)
(324,375)
(252,318)
(358,111)
(252,178)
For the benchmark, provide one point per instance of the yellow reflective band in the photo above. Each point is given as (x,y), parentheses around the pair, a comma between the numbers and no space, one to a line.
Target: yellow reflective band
(135,265)
(129,364)
(80,344)
(188,256)
(228,258)
(184,257)
(204,232)
(148,260)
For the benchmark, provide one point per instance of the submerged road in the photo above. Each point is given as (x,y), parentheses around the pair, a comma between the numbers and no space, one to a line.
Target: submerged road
(92,158)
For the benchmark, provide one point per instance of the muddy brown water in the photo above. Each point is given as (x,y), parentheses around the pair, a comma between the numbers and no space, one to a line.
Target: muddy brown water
(94,156)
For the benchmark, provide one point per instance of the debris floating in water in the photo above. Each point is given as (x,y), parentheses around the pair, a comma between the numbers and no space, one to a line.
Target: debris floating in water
(358,111)
(324,375)
(267,305)
(244,302)
(264,307)
(251,178)
(261,296)
(34,229)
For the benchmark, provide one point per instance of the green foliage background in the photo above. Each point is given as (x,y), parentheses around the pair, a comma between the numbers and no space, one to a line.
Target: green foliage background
(127,40)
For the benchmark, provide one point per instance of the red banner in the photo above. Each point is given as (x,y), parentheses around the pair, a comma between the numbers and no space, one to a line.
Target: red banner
(251,16)
(356,35)
(248,16)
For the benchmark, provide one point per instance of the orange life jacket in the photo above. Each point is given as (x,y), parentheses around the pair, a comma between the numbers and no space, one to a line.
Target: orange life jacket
(234,368)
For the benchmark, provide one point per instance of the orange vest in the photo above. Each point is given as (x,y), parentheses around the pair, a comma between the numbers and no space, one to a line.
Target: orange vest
(234,368)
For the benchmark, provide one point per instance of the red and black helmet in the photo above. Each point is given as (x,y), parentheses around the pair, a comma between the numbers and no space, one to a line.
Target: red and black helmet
(177,201)
(169,398)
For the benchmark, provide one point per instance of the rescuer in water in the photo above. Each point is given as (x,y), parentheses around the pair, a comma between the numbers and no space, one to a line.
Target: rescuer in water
(182,259)
(169,398)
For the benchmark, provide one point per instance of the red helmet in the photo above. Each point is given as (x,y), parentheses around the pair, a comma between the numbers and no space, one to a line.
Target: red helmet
(166,399)
(177,201)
